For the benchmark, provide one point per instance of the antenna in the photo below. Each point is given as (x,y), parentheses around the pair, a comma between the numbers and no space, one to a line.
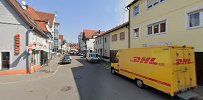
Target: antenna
(24,2)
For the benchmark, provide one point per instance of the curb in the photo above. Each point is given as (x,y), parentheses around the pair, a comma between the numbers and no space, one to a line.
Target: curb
(32,79)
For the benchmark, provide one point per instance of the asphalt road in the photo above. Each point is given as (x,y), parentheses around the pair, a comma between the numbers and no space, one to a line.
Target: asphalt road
(95,82)
(79,81)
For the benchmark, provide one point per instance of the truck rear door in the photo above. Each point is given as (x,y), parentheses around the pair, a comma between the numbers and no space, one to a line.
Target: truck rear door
(183,60)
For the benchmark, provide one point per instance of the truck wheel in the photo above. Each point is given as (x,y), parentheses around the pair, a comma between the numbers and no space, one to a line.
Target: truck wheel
(113,71)
(139,83)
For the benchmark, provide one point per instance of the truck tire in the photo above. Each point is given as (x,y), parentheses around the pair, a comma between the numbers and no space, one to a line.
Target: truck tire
(113,71)
(140,84)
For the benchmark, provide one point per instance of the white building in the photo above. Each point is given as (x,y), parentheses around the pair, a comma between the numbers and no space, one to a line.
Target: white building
(88,39)
(21,37)
(102,46)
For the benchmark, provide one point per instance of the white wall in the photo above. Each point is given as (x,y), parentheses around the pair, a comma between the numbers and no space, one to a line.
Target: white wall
(10,25)
(90,44)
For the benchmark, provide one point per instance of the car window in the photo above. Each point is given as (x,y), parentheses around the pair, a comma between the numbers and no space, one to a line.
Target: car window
(67,57)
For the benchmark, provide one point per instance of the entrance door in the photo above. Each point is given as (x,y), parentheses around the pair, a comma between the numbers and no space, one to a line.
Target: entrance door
(5,58)
(199,67)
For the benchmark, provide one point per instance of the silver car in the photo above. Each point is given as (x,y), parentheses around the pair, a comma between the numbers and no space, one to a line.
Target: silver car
(93,58)
(66,60)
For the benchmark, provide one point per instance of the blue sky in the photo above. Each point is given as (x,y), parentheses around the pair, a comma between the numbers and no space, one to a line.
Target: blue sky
(76,15)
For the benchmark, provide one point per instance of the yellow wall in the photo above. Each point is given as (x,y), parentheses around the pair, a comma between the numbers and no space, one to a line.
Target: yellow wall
(119,44)
(175,14)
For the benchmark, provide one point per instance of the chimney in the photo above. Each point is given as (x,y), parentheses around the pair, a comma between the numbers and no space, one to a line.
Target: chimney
(24,4)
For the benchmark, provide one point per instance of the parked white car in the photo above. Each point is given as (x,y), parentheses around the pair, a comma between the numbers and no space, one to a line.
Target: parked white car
(93,57)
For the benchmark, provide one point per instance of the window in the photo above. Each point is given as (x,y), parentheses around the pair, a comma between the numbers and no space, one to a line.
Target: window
(136,33)
(114,37)
(163,27)
(151,3)
(5,60)
(136,10)
(105,40)
(157,28)
(149,30)
(156,2)
(122,36)
(194,19)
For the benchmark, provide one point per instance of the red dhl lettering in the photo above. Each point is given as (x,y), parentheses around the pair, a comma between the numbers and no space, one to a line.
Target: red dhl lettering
(183,61)
(144,60)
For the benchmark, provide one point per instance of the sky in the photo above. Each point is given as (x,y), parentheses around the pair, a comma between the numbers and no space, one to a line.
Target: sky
(77,15)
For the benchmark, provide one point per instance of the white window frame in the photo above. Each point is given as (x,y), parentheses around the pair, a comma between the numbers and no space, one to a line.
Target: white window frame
(159,33)
(133,35)
(201,19)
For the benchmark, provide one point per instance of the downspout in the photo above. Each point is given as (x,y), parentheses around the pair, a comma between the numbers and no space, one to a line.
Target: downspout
(28,66)
(129,45)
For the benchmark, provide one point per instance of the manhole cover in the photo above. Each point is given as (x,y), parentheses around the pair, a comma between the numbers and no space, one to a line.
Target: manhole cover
(66,88)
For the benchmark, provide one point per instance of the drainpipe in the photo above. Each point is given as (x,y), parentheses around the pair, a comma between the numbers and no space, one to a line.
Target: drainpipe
(28,66)
(129,28)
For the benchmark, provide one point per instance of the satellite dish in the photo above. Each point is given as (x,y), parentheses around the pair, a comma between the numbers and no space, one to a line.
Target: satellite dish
(24,2)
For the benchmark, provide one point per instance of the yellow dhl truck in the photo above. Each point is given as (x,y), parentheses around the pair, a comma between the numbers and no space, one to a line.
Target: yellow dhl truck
(170,69)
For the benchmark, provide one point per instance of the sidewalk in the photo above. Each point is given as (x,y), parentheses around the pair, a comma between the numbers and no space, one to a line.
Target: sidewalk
(46,71)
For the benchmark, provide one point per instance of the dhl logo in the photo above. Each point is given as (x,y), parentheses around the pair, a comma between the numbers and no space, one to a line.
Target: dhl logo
(183,61)
(144,60)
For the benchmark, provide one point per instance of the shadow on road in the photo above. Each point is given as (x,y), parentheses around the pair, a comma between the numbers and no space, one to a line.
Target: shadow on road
(94,82)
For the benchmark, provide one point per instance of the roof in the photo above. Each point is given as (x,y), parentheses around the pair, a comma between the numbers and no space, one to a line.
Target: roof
(132,3)
(48,17)
(117,27)
(88,34)
(25,15)
(40,23)
(101,34)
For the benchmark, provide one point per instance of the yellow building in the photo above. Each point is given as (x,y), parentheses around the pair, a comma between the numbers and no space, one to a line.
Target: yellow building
(119,37)
(168,22)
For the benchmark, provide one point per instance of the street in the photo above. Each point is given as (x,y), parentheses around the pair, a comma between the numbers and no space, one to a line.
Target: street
(95,82)
(79,81)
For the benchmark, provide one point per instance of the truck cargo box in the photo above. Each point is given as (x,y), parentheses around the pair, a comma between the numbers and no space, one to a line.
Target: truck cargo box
(168,69)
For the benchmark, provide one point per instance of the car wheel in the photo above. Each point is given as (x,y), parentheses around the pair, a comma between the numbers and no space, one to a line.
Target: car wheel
(140,84)
(113,71)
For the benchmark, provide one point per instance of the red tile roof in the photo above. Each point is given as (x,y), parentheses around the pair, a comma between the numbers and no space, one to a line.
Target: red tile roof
(32,17)
(46,17)
(25,15)
(88,34)
(40,23)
